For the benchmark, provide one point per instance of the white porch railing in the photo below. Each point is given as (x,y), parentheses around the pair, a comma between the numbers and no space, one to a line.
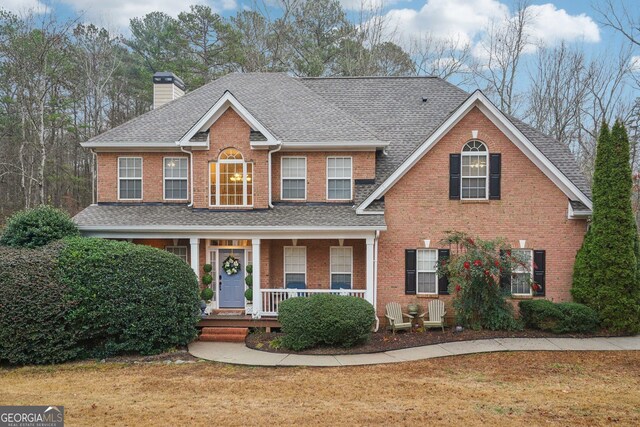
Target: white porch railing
(271,298)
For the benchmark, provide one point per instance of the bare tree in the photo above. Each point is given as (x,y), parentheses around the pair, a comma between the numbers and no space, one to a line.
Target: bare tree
(502,48)
(442,57)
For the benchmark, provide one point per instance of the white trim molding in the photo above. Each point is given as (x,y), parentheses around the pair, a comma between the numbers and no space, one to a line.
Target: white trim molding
(226,101)
(478,99)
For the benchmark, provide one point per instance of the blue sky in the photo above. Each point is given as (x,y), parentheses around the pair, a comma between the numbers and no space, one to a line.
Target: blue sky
(574,21)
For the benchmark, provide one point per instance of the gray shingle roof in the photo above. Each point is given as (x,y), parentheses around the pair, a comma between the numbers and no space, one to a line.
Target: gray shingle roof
(394,110)
(294,215)
(287,108)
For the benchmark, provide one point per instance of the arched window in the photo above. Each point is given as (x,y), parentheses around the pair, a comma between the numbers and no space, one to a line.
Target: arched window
(231,180)
(475,171)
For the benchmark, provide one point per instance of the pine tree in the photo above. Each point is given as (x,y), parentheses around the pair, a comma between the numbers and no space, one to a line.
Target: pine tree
(606,268)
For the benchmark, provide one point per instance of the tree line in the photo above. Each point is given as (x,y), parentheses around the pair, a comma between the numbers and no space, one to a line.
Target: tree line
(62,82)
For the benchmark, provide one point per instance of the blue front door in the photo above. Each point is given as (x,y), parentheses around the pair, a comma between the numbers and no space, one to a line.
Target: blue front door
(231,287)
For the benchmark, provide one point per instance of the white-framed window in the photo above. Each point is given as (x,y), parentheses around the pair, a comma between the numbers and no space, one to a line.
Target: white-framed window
(339,175)
(522,275)
(295,266)
(341,264)
(130,178)
(230,180)
(293,173)
(175,172)
(427,261)
(475,171)
(179,251)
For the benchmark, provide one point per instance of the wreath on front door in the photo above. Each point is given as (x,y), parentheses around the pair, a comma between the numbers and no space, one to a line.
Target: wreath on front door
(231,265)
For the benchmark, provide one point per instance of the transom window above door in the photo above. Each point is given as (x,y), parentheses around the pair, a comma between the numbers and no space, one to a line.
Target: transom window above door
(230,180)
(475,171)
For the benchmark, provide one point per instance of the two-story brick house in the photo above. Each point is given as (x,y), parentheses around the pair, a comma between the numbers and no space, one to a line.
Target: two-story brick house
(342,185)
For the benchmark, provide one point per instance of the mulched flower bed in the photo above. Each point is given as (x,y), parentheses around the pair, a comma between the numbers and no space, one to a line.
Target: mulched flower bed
(385,341)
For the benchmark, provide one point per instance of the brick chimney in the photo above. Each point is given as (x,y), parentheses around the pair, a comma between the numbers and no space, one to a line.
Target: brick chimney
(166,87)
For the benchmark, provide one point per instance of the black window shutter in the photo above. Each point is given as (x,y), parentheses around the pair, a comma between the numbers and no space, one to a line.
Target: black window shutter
(410,271)
(505,276)
(539,261)
(454,176)
(443,282)
(495,167)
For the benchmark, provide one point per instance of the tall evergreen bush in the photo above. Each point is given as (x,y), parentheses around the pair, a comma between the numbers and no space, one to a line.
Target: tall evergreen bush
(606,268)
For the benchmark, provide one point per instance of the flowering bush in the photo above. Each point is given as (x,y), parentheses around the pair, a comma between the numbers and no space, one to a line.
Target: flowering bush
(474,270)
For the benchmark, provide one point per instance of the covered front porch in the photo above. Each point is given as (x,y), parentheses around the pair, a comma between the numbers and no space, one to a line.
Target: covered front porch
(284,265)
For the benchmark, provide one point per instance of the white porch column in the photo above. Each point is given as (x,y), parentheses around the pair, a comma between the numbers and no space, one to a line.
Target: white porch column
(257,295)
(368,295)
(195,255)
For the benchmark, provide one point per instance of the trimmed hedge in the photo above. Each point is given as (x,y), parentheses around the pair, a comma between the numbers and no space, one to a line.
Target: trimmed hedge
(34,324)
(93,298)
(130,298)
(560,318)
(37,227)
(325,319)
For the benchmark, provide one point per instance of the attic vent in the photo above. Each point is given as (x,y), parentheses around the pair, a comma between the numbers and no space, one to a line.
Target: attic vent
(424,99)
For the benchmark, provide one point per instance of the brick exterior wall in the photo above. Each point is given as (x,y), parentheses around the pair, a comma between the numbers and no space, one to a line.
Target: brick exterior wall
(531,208)
(363,165)
(152,173)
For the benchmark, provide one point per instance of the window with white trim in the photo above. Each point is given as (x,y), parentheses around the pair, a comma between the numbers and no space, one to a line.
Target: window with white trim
(175,178)
(294,178)
(341,264)
(130,178)
(522,274)
(179,251)
(475,171)
(339,174)
(231,180)
(427,262)
(295,266)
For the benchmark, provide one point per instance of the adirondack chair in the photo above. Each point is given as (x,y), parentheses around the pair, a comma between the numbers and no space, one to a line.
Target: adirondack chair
(436,315)
(395,316)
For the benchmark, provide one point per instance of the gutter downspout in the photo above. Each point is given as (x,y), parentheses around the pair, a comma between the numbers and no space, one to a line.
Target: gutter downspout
(190,153)
(375,277)
(94,179)
(270,179)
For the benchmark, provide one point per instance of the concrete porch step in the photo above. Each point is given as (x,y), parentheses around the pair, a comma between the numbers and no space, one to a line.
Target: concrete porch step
(224,334)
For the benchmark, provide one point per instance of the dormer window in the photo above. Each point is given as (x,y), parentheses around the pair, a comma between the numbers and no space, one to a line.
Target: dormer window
(475,171)
(231,180)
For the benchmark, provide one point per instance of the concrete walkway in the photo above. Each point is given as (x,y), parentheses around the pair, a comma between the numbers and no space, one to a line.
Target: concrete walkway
(238,353)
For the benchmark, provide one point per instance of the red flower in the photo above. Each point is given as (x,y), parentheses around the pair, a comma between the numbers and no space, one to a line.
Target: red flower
(467,265)
(487,272)
(536,287)
(477,263)
(443,263)
(458,288)
(497,263)
(471,242)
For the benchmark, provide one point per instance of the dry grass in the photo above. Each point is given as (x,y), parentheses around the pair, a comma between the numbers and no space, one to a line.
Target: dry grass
(496,389)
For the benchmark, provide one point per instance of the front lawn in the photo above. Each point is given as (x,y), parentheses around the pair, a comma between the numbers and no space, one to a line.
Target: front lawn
(586,388)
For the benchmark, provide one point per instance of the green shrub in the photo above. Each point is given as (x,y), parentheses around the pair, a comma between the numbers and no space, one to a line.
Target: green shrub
(207,268)
(129,298)
(605,274)
(34,325)
(560,318)
(36,227)
(249,280)
(206,294)
(325,319)
(207,279)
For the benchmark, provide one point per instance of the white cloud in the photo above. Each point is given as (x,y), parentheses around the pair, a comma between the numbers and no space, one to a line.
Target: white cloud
(119,12)
(366,4)
(552,25)
(467,20)
(23,6)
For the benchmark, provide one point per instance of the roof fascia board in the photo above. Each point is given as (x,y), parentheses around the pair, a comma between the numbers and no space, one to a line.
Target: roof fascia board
(120,144)
(478,99)
(337,145)
(227,100)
